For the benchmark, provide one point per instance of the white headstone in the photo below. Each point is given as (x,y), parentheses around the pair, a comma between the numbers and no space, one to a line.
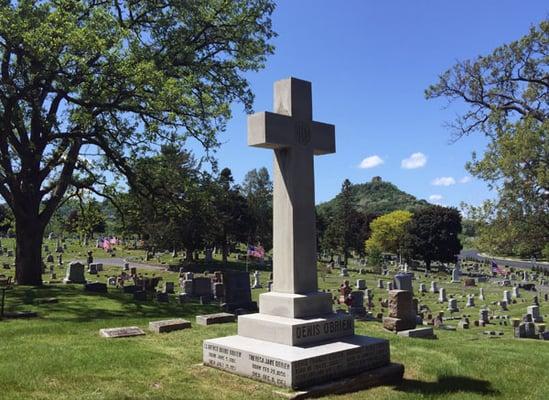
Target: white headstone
(442,295)
(515,293)
(257,284)
(456,275)
(470,301)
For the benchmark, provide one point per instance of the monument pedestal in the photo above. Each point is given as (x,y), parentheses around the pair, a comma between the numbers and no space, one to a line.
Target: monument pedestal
(296,352)
(295,331)
(296,366)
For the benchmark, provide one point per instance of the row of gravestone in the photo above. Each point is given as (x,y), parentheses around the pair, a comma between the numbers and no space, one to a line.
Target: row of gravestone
(166,326)
(232,288)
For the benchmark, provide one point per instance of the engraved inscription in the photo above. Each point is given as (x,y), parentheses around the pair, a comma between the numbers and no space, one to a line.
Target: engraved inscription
(328,328)
(302,133)
(297,373)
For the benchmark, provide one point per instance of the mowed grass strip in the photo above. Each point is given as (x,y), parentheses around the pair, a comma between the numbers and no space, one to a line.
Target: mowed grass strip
(60,355)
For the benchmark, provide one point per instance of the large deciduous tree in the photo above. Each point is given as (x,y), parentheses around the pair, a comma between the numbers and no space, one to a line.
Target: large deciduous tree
(432,235)
(170,202)
(232,216)
(89,85)
(507,99)
(257,188)
(387,232)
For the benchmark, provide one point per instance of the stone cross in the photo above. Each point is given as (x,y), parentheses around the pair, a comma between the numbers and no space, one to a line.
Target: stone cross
(295,138)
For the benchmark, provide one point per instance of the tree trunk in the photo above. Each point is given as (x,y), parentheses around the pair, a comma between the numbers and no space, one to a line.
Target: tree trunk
(225,250)
(189,255)
(28,253)
(428,265)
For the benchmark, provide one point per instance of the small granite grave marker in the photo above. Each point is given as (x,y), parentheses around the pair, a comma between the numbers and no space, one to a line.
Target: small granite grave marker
(219,318)
(452,305)
(96,287)
(169,325)
(121,332)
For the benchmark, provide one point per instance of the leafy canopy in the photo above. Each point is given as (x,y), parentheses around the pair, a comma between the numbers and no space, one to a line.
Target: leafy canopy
(114,80)
(387,232)
(507,98)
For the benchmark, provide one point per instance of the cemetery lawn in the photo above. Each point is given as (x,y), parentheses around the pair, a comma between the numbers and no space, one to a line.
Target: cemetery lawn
(60,355)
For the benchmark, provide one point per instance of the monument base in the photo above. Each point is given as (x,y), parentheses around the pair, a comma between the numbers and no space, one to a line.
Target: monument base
(296,331)
(296,367)
(388,375)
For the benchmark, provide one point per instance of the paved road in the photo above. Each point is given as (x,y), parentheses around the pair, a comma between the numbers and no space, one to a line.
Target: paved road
(500,261)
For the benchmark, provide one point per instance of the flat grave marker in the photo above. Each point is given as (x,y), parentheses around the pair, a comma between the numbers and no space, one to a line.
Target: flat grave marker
(128,331)
(169,325)
(219,318)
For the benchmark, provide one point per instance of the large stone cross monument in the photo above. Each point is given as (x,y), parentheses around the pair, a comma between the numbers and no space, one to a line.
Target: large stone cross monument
(296,340)
(295,138)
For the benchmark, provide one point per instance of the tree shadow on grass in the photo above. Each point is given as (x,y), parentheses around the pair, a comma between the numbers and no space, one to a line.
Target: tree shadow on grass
(448,384)
(76,305)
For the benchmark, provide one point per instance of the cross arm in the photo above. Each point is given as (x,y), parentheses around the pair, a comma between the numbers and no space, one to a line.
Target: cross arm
(275,131)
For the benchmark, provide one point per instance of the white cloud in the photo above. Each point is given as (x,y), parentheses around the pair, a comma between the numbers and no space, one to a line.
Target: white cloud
(416,160)
(371,162)
(435,198)
(465,179)
(444,181)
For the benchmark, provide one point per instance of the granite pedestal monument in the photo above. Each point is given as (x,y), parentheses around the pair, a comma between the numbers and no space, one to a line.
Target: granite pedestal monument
(296,340)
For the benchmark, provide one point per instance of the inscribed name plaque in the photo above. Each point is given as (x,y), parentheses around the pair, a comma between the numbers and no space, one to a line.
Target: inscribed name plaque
(296,340)
(128,331)
(293,366)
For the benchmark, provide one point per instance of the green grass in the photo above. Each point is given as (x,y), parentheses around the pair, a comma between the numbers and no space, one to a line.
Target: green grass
(60,355)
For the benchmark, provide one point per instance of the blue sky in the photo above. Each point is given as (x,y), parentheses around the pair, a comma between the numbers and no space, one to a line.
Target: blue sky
(369,63)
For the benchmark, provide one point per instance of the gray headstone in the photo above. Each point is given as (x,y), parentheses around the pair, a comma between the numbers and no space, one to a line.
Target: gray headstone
(121,332)
(403,281)
(452,305)
(219,318)
(169,287)
(238,292)
(169,325)
(75,273)
(202,287)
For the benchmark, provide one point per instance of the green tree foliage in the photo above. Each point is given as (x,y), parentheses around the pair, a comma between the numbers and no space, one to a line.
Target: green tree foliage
(232,214)
(375,198)
(507,94)
(91,218)
(6,219)
(388,232)
(171,201)
(112,80)
(432,235)
(343,228)
(257,188)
